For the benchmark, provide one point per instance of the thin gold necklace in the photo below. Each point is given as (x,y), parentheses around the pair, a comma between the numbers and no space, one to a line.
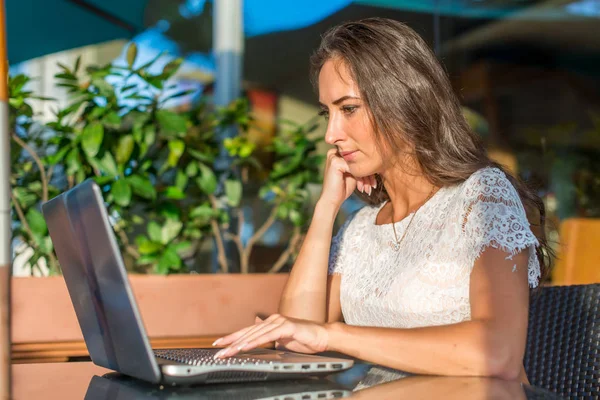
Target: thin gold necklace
(395,244)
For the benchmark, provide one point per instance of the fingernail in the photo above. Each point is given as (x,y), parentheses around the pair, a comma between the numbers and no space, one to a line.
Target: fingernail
(217,341)
(241,346)
(375,184)
(219,353)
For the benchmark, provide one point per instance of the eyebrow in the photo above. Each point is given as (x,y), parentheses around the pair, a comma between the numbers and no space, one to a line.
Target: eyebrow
(340,100)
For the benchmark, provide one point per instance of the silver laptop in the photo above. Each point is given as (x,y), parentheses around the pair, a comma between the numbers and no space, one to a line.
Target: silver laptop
(108,315)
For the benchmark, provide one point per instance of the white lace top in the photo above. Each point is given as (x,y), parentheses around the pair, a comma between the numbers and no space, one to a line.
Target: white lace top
(426,282)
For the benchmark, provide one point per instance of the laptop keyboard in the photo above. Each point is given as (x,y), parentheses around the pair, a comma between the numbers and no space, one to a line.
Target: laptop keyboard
(203,357)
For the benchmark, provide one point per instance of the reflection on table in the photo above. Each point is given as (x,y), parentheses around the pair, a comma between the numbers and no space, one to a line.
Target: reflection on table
(363,381)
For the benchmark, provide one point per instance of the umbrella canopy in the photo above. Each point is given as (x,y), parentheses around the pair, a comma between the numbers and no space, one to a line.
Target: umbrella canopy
(38,27)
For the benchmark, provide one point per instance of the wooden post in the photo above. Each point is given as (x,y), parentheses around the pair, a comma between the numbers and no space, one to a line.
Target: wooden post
(5,232)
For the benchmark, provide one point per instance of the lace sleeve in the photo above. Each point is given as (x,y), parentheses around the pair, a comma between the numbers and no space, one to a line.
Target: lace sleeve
(338,252)
(494,216)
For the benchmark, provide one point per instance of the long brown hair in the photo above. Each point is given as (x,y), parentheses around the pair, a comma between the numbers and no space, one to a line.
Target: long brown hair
(410,100)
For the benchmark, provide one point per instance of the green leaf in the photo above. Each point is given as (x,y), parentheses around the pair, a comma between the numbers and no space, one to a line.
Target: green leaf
(204,157)
(24,197)
(108,164)
(181,246)
(207,181)
(171,68)
(142,186)
(149,247)
(124,149)
(136,219)
(296,217)
(181,180)
(178,94)
(192,169)
(91,140)
(170,230)
(105,89)
(146,259)
(149,135)
(121,192)
(233,191)
(170,122)
(283,211)
(73,162)
(112,120)
(174,193)
(58,156)
(154,232)
(169,260)
(176,148)
(169,210)
(204,212)
(131,54)
(77,64)
(46,245)
(36,222)
(246,149)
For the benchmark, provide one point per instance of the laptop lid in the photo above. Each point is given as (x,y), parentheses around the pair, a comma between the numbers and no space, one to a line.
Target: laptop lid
(97,282)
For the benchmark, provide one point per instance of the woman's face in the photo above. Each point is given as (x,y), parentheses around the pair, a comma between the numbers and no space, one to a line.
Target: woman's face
(348,127)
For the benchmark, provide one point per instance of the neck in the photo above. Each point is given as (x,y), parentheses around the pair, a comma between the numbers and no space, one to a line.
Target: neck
(407,188)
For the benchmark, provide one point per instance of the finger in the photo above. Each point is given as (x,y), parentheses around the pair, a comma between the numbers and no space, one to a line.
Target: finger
(271,336)
(283,331)
(332,152)
(340,165)
(251,330)
(258,320)
(366,185)
(267,325)
(230,338)
(241,344)
(360,185)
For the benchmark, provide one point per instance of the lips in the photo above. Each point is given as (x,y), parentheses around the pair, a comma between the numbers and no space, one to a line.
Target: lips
(348,155)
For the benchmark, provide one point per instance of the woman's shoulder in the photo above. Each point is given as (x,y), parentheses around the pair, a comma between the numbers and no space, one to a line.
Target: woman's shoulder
(489,182)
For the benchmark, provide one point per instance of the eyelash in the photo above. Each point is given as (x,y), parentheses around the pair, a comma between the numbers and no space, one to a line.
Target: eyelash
(348,110)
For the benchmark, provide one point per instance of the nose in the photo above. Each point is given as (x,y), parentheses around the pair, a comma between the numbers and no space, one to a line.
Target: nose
(334,133)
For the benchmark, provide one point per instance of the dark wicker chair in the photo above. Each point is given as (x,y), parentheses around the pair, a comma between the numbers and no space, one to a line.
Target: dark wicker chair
(563,341)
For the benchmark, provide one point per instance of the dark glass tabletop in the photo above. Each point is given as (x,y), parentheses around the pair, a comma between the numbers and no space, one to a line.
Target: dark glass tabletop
(80,380)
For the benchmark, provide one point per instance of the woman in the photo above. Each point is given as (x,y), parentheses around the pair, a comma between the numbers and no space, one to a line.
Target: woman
(432,277)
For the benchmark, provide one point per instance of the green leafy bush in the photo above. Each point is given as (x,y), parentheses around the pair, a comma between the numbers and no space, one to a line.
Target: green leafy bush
(154,165)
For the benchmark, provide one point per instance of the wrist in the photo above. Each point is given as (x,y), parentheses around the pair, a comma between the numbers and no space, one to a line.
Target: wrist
(327,209)
(335,332)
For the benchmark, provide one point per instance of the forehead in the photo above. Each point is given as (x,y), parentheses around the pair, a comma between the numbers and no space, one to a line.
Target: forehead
(335,80)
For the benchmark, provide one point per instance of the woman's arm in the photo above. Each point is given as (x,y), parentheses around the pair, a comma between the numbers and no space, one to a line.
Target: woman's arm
(492,343)
(309,293)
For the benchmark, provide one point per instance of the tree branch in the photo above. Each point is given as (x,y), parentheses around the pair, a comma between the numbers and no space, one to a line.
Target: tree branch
(38,161)
(217,232)
(287,253)
(260,232)
(128,247)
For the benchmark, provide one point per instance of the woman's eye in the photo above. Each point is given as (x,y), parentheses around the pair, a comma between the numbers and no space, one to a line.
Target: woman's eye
(349,109)
(324,113)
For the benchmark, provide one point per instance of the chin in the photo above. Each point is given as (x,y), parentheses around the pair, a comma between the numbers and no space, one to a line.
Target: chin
(361,171)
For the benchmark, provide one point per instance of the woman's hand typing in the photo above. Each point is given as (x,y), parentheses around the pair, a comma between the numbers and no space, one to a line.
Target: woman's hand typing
(294,334)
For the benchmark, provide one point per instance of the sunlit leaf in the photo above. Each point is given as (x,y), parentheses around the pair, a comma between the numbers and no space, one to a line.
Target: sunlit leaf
(91,138)
(121,192)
